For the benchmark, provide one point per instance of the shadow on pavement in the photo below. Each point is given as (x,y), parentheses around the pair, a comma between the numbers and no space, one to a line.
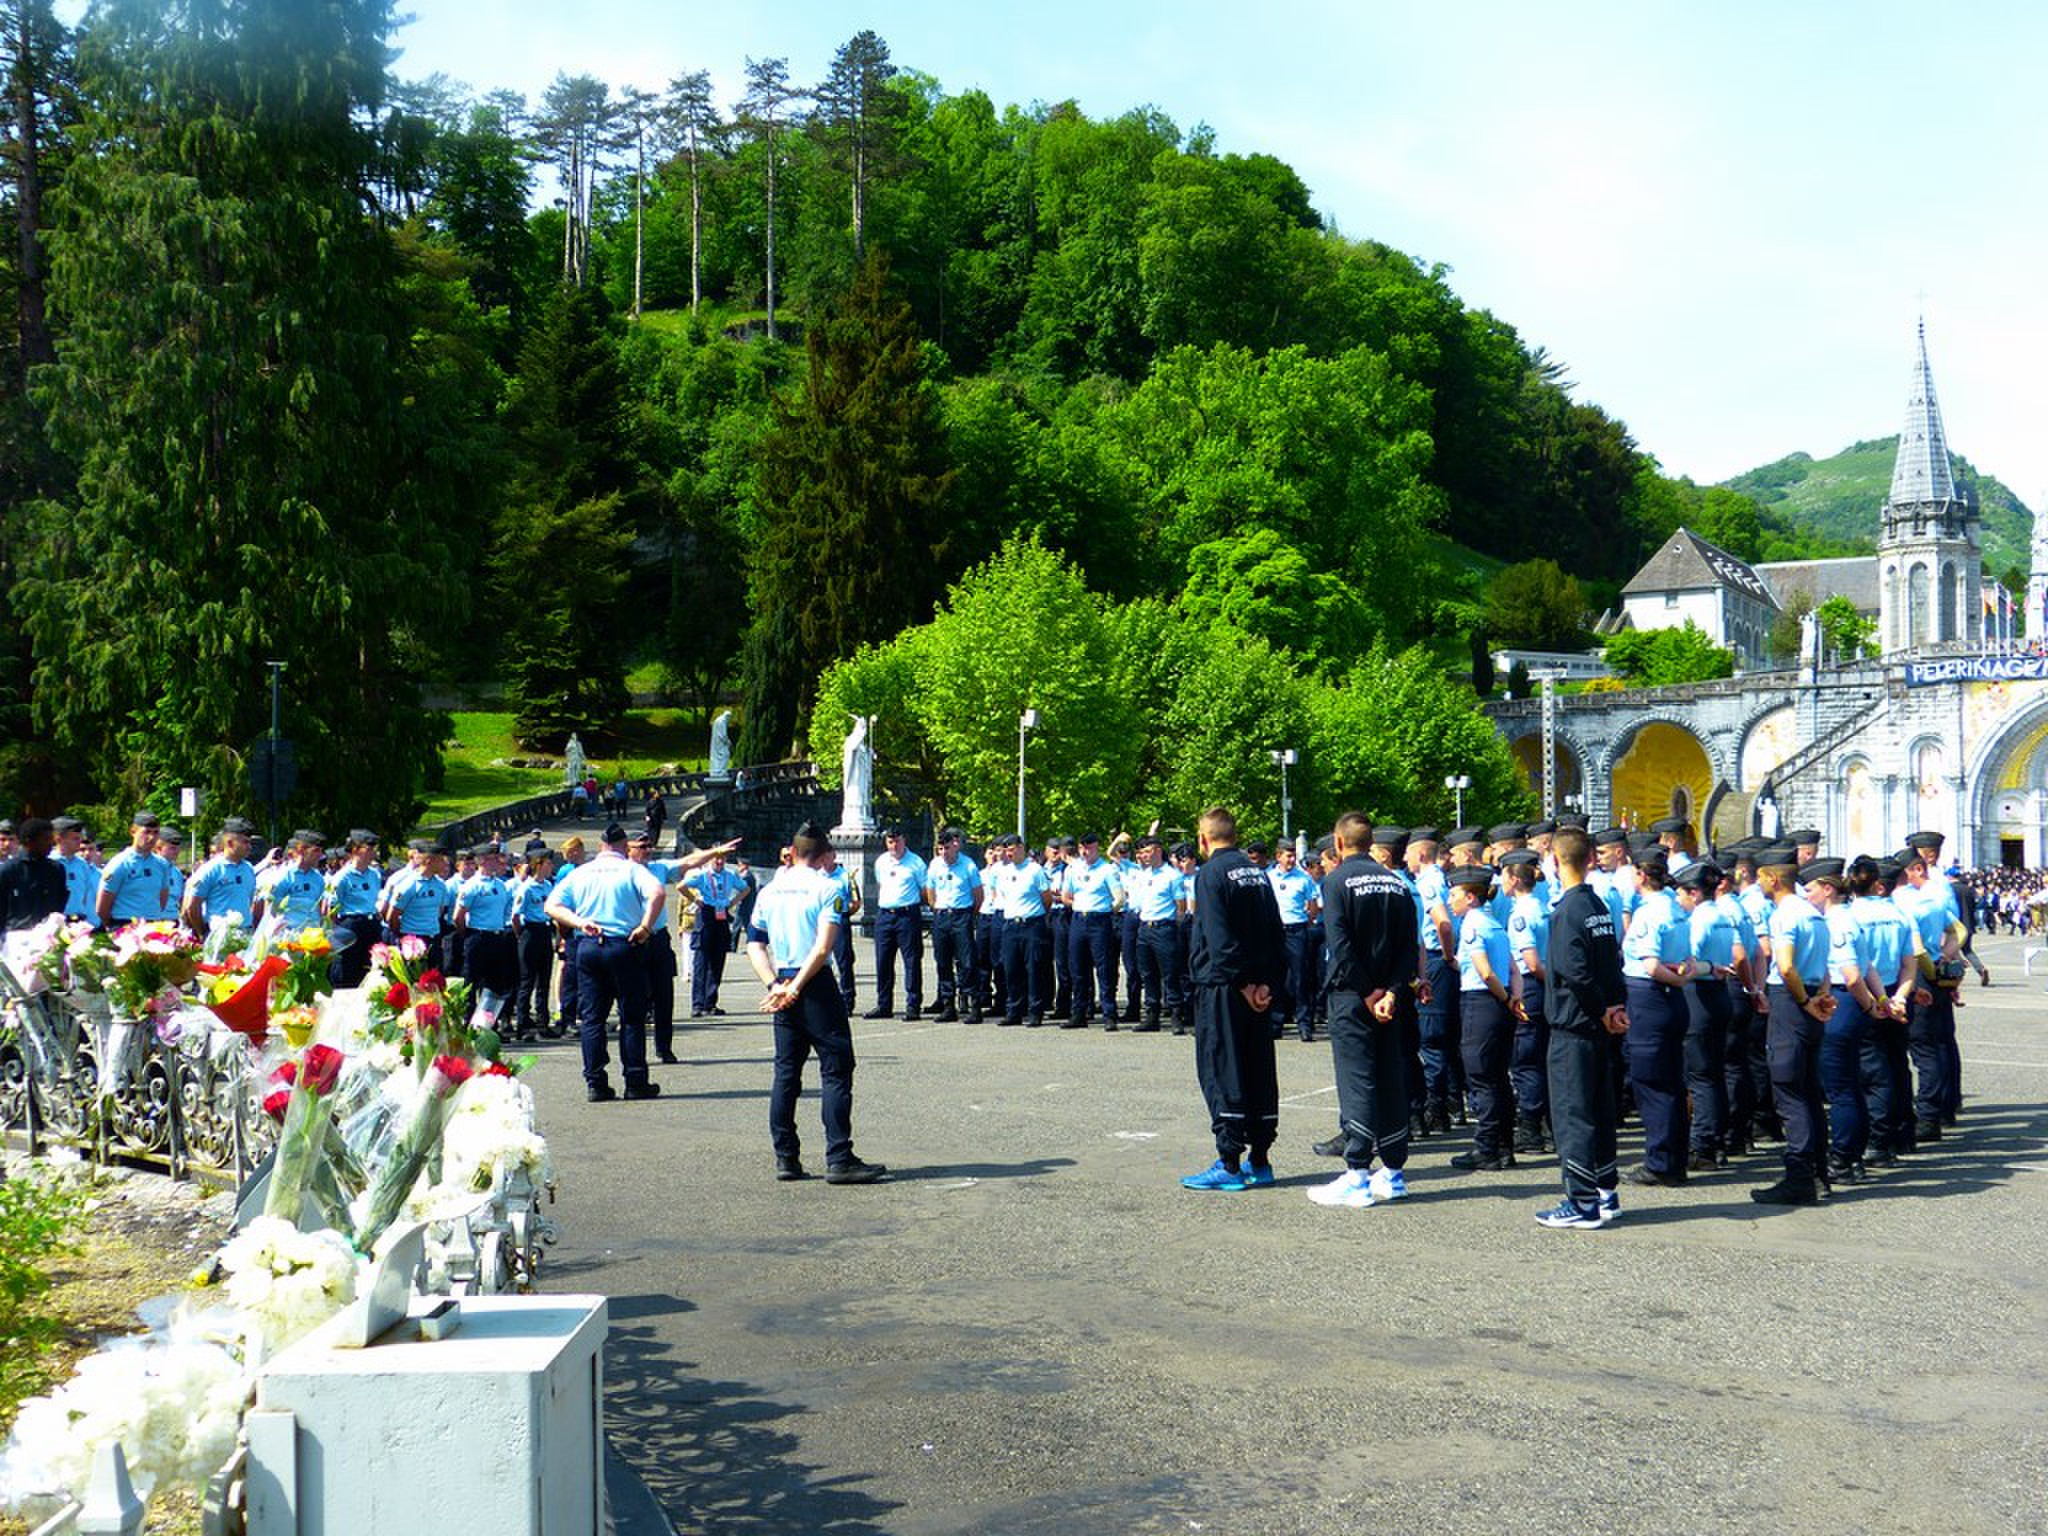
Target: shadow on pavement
(1030,1170)
(717,1455)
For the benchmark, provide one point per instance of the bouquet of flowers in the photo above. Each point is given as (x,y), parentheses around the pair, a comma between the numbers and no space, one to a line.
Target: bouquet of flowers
(422,1011)
(490,1133)
(74,955)
(396,1174)
(283,1283)
(174,1405)
(307,954)
(306,1124)
(149,961)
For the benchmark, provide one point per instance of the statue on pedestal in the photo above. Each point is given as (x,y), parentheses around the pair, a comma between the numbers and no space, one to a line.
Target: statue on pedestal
(857,771)
(574,764)
(721,745)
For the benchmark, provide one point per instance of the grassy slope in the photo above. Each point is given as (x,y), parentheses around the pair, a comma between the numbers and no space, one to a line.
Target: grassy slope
(475,779)
(1840,496)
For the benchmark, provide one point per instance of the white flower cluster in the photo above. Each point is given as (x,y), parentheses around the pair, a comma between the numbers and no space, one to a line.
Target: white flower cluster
(174,1405)
(284,1283)
(490,1134)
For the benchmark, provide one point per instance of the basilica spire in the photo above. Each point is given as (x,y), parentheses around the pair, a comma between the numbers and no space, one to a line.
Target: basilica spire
(1920,474)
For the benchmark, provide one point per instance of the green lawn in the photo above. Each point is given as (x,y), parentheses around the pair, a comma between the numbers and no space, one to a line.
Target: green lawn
(475,780)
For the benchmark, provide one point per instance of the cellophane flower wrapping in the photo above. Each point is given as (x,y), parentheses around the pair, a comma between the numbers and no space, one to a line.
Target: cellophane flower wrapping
(283,1283)
(302,1142)
(393,1180)
(490,1134)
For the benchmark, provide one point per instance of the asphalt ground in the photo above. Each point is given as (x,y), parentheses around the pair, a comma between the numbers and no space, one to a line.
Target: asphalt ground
(1033,1328)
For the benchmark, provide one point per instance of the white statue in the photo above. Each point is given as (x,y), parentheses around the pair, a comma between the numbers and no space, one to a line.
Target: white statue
(721,745)
(574,764)
(1809,638)
(1767,816)
(857,770)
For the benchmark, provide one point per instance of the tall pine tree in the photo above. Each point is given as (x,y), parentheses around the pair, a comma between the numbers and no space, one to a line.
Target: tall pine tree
(851,539)
(237,379)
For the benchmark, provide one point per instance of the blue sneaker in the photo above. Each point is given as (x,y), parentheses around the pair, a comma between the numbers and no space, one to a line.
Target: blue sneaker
(1610,1205)
(1215,1176)
(1567,1214)
(1258,1175)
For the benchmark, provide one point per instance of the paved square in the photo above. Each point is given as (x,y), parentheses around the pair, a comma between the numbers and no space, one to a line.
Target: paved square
(1033,1328)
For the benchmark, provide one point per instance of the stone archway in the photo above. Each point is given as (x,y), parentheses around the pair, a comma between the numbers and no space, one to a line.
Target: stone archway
(1571,779)
(1664,771)
(2008,788)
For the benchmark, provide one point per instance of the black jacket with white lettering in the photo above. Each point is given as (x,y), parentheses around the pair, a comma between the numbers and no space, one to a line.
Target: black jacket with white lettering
(1236,939)
(1584,962)
(1370,926)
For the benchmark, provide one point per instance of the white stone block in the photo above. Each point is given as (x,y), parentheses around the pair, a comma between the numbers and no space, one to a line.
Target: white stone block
(495,1429)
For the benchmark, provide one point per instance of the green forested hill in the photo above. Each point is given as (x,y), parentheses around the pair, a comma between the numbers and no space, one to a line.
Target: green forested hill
(1839,498)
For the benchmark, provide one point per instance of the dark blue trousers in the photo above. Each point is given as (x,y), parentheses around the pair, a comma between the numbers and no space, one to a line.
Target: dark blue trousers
(1059,943)
(1585,1104)
(1296,1003)
(1707,1017)
(1656,1071)
(899,931)
(1487,1039)
(1159,966)
(953,959)
(1443,1072)
(1091,962)
(710,943)
(612,970)
(1930,1036)
(1744,1038)
(1023,967)
(815,1022)
(1793,1052)
(1127,951)
(1888,1085)
(1532,1055)
(1239,1078)
(1841,1075)
(536,969)
(1372,1083)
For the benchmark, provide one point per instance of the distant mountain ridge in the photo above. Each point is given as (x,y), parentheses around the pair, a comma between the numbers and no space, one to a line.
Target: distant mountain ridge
(1840,497)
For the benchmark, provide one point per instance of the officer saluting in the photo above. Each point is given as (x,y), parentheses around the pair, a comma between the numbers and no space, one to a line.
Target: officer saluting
(1374,937)
(1236,956)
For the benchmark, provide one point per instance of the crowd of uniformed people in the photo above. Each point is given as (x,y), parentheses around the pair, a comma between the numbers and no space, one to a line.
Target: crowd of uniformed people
(1532,984)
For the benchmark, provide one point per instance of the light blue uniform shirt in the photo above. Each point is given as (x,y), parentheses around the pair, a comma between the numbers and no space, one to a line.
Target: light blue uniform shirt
(899,882)
(1153,892)
(1928,914)
(1479,931)
(81,889)
(1887,934)
(1294,889)
(1608,889)
(1093,887)
(294,898)
(486,903)
(718,889)
(1024,890)
(951,883)
(1848,945)
(1429,891)
(418,904)
(354,891)
(1528,928)
(1745,926)
(141,883)
(1714,935)
(530,899)
(223,889)
(1657,931)
(791,911)
(1799,942)
(611,891)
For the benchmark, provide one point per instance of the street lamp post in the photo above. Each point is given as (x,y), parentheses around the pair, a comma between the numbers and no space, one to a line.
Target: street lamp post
(1286,757)
(1028,721)
(1457,784)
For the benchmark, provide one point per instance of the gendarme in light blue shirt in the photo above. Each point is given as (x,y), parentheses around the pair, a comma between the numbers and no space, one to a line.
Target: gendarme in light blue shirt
(1153,893)
(899,882)
(1529,928)
(294,898)
(1023,890)
(791,910)
(1093,887)
(609,890)
(1295,891)
(223,889)
(141,883)
(718,889)
(486,903)
(1657,932)
(952,883)
(1478,932)
(1799,934)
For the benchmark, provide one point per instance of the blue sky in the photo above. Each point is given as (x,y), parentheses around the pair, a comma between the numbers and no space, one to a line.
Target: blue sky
(1723,218)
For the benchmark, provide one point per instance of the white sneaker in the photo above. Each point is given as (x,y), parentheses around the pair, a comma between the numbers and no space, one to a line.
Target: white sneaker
(1389,1184)
(1351,1188)
(1610,1206)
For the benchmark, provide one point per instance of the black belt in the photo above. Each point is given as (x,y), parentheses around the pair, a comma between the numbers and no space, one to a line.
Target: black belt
(1157,922)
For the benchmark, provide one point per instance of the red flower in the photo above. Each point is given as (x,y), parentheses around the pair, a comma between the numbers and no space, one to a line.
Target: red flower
(398,998)
(287,1073)
(276,1101)
(456,1069)
(432,981)
(321,1069)
(427,1015)
(497,1069)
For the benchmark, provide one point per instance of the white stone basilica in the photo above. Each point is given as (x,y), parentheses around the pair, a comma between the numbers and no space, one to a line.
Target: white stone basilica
(1947,730)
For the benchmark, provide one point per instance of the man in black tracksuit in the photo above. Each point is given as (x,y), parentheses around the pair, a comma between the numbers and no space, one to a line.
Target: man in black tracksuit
(1236,957)
(1375,949)
(1585,996)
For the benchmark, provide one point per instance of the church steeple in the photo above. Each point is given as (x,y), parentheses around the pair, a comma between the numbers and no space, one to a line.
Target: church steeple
(1920,474)
(1930,572)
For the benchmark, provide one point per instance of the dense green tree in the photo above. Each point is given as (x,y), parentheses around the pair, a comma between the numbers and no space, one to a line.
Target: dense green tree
(1258,584)
(1534,605)
(850,538)
(1845,633)
(1237,705)
(481,186)
(577,496)
(271,495)
(1656,657)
